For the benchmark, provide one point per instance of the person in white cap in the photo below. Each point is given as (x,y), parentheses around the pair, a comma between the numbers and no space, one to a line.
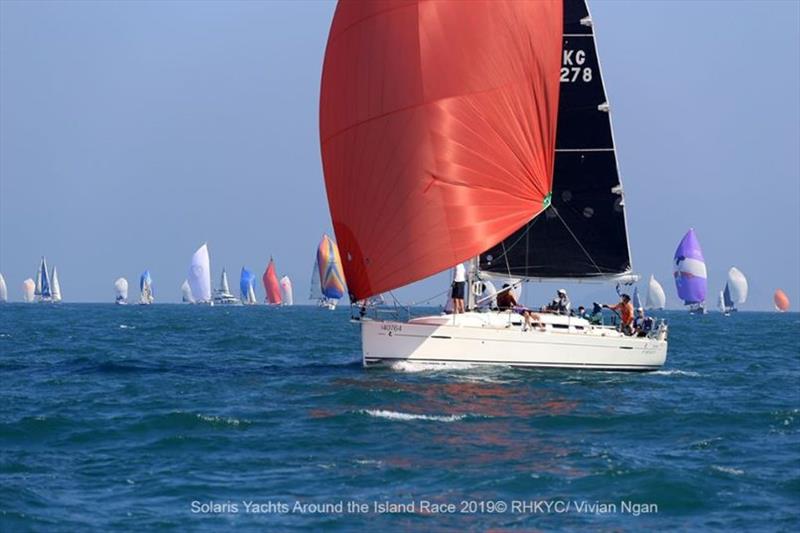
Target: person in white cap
(561,303)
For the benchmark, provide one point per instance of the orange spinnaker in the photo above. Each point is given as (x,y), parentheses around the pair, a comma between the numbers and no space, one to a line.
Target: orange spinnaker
(271,285)
(437,129)
(781,300)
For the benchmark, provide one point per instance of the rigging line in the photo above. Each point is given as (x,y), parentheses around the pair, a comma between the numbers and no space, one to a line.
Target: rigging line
(599,270)
(528,226)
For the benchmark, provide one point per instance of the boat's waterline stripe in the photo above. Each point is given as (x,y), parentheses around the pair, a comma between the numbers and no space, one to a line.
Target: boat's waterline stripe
(548,364)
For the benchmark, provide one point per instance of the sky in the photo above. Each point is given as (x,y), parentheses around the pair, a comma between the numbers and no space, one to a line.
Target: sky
(133,132)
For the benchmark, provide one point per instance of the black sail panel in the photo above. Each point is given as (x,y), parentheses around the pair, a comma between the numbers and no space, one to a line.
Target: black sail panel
(582,233)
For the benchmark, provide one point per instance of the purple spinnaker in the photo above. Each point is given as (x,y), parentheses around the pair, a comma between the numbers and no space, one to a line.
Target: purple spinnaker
(690,270)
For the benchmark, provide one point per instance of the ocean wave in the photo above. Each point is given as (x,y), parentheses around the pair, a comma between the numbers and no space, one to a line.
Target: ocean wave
(394,415)
(727,470)
(675,373)
(222,420)
(125,326)
(414,366)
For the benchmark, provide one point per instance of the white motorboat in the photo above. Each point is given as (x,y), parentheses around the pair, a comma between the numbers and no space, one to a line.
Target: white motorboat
(223,296)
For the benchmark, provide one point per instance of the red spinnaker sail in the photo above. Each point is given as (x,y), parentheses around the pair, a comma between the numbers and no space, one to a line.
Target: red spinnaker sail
(781,300)
(271,285)
(437,128)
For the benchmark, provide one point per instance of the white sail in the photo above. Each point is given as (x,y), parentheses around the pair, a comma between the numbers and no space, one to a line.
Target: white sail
(200,275)
(56,290)
(316,289)
(286,291)
(656,299)
(3,289)
(28,290)
(223,283)
(186,292)
(37,287)
(121,289)
(737,285)
(721,303)
(251,295)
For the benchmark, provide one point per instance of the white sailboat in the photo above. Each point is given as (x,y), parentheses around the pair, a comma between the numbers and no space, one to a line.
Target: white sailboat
(411,195)
(121,290)
(287,295)
(28,291)
(656,299)
(146,296)
(223,296)
(43,291)
(735,291)
(3,290)
(200,276)
(56,292)
(186,293)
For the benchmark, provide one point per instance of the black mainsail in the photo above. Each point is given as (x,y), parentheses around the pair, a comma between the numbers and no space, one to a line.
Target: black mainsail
(582,233)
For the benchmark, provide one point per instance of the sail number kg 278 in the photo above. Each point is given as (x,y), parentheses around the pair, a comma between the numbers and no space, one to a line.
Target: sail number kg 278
(573,67)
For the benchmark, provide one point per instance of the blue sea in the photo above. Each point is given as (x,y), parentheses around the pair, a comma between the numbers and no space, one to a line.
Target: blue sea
(173,417)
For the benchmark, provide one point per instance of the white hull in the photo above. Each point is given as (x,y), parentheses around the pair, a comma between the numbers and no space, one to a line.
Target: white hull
(498,339)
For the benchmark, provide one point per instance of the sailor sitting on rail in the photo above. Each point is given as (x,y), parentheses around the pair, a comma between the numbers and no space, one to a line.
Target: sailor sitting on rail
(507,302)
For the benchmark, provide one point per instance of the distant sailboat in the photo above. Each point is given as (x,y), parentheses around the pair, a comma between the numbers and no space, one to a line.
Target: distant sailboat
(286,291)
(735,291)
(3,290)
(56,291)
(316,288)
(690,273)
(28,290)
(121,288)
(146,288)
(725,301)
(781,301)
(271,285)
(186,292)
(223,296)
(246,287)
(42,288)
(331,278)
(200,276)
(656,299)
(737,283)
